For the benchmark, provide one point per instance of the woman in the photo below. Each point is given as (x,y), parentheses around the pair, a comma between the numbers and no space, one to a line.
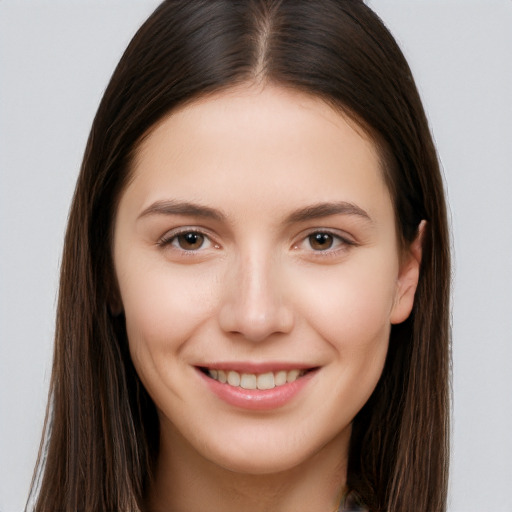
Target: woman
(253,311)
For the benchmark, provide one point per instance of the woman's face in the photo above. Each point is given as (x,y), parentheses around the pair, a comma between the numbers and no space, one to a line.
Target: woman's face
(256,243)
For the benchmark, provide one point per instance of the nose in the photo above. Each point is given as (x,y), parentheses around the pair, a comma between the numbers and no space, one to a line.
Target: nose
(254,303)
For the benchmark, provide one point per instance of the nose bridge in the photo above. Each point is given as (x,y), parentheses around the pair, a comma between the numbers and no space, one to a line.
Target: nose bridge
(257,286)
(255,305)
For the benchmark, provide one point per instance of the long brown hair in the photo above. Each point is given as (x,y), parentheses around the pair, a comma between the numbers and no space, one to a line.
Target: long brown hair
(101,433)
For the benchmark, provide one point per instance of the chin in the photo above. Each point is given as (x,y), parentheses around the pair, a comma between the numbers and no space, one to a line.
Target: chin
(272,454)
(264,463)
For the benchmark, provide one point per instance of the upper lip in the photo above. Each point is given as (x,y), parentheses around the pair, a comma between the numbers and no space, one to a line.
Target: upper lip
(256,368)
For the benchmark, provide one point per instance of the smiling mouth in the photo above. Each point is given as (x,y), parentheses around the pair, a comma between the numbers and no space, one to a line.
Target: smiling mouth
(260,381)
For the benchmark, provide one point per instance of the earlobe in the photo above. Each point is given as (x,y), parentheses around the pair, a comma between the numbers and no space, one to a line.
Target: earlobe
(407,281)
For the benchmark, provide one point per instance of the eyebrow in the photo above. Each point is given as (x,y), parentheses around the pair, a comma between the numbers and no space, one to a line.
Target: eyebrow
(315,211)
(172,207)
(320,210)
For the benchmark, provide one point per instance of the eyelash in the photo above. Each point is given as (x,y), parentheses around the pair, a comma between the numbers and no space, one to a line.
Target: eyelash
(173,236)
(341,244)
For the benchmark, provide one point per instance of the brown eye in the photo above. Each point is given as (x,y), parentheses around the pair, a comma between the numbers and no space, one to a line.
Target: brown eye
(321,241)
(190,241)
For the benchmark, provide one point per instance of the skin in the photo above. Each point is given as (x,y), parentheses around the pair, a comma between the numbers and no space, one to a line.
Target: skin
(258,290)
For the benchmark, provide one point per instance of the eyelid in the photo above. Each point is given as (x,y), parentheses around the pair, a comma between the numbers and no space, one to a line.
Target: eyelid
(171,235)
(344,242)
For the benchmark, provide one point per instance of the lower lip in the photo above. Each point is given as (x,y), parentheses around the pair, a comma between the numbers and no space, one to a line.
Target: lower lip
(256,399)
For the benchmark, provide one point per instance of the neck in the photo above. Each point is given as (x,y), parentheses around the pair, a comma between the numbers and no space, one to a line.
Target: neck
(186,482)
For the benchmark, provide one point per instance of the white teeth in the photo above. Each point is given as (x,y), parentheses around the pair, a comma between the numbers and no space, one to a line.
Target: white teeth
(266,381)
(292,375)
(248,381)
(261,381)
(280,378)
(233,378)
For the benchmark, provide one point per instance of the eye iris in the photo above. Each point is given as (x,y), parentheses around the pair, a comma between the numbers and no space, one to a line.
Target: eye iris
(321,241)
(190,241)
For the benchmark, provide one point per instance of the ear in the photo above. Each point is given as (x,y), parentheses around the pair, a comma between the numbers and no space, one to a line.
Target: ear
(408,276)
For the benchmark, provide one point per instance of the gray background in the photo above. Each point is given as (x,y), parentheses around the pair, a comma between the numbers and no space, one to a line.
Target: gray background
(55,60)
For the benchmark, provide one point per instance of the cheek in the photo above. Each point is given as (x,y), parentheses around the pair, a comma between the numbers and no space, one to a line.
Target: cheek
(164,307)
(350,305)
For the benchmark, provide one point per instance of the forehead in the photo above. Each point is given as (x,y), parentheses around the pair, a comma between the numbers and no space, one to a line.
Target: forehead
(260,111)
(267,144)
